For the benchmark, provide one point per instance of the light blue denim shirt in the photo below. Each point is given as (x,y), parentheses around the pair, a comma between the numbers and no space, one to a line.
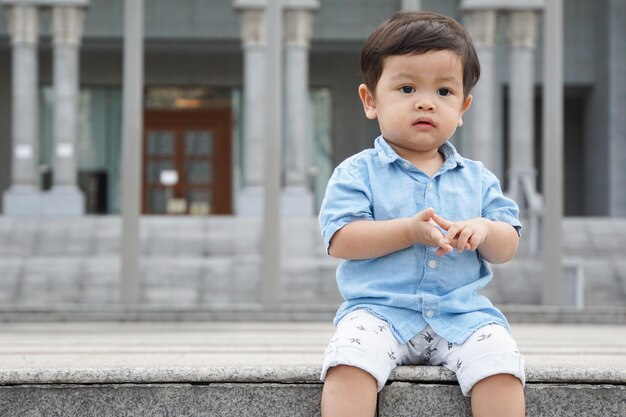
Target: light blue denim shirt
(413,288)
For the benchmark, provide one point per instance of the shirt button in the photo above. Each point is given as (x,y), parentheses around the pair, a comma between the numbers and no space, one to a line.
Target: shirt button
(406,165)
(430,313)
(431,186)
(432,264)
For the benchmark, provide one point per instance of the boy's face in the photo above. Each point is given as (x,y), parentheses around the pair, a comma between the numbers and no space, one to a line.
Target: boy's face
(418,101)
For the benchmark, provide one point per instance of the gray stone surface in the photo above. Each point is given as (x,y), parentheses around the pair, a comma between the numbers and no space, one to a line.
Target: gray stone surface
(223,400)
(561,400)
(36,353)
(398,399)
(402,399)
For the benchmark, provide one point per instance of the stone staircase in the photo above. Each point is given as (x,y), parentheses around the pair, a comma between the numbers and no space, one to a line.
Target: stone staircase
(187,262)
(211,262)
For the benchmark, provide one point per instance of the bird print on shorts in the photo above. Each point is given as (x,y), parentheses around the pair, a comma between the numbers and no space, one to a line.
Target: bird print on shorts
(483,337)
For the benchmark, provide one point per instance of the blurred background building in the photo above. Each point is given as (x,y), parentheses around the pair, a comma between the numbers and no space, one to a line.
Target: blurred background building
(203,144)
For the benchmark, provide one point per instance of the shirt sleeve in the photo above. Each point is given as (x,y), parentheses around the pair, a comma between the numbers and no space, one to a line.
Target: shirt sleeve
(496,206)
(347,198)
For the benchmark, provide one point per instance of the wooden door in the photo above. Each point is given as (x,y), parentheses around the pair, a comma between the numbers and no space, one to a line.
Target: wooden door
(195,144)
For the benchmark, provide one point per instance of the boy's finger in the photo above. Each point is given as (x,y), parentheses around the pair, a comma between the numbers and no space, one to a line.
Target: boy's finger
(437,239)
(445,224)
(453,231)
(472,243)
(443,250)
(426,214)
(464,237)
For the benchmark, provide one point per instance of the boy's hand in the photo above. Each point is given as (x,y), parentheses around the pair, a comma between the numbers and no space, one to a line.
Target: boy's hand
(463,235)
(427,232)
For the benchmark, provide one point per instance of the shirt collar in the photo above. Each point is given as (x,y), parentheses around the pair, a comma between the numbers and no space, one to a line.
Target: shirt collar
(387,155)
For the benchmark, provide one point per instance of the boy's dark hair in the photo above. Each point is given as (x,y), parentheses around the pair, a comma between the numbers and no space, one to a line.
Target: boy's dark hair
(415,33)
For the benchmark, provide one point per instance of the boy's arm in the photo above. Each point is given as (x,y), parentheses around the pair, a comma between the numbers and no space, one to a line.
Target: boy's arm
(365,239)
(501,242)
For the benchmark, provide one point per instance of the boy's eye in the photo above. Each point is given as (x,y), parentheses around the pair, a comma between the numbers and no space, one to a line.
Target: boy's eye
(444,92)
(407,89)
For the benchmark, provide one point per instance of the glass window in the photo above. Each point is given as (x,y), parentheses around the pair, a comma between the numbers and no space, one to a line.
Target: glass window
(98,141)
(154,168)
(157,200)
(199,172)
(199,143)
(161,143)
(321,147)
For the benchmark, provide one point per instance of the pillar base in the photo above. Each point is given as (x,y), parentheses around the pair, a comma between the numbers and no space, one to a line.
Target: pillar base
(297,202)
(22,200)
(250,202)
(63,200)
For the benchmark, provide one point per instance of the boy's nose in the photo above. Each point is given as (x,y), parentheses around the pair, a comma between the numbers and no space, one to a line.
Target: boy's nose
(424,105)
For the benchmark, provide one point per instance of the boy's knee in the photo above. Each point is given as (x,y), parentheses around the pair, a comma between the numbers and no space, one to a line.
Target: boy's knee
(349,374)
(502,381)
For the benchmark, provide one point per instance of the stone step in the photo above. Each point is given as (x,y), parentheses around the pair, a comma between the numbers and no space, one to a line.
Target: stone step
(217,368)
(229,235)
(285,393)
(520,281)
(188,280)
(203,261)
(165,280)
(181,236)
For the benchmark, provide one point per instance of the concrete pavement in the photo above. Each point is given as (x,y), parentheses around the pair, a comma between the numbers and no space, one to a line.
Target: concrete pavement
(52,347)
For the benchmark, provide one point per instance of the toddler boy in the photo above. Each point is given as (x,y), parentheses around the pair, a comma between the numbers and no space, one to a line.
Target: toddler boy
(417,224)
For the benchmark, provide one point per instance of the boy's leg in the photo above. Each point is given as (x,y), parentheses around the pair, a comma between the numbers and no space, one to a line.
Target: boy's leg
(357,363)
(489,368)
(498,395)
(349,391)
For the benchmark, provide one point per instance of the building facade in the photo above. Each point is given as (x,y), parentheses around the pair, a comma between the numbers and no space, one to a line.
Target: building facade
(61,72)
(203,145)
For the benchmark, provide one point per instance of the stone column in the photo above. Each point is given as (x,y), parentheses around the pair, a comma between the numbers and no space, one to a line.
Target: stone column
(297,198)
(253,34)
(411,5)
(23,196)
(480,135)
(522,35)
(617,107)
(65,198)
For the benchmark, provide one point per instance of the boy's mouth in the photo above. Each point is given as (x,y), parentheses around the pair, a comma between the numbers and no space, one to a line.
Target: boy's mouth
(424,122)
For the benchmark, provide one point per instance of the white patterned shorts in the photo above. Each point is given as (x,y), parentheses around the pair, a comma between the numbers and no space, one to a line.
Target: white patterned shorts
(365,341)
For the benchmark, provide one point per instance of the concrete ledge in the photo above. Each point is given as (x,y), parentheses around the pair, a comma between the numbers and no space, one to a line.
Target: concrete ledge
(403,399)
(282,375)
(399,399)
(282,312)
(222,400)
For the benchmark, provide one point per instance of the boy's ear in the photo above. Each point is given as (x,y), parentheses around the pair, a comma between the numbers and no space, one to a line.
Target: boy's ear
(369,106)
(466,106)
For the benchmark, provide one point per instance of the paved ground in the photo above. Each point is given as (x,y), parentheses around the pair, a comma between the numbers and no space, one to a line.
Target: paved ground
(32,346)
